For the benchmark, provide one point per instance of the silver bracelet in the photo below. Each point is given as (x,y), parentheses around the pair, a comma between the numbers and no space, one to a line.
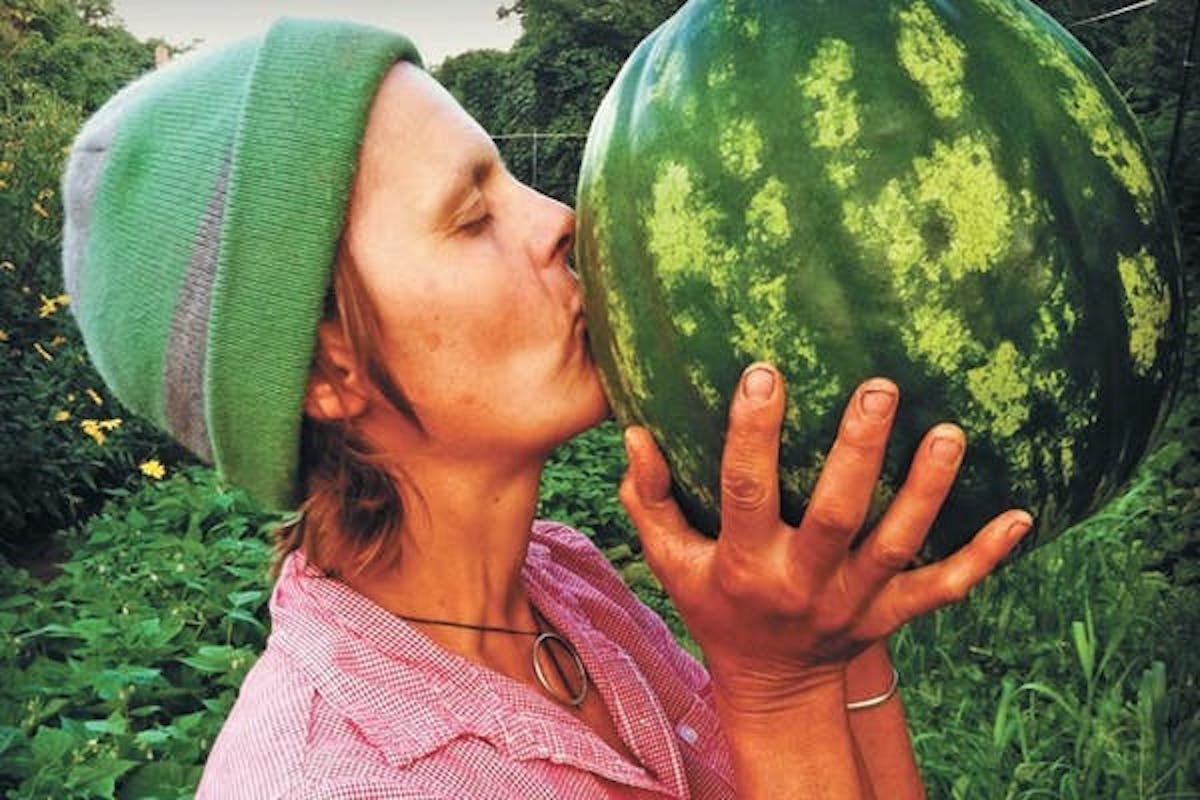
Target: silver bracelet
(877,700)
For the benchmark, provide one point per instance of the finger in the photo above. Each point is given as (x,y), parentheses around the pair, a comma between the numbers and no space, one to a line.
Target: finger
(750,460)
(898,537)
(911,594)
(842,495)
(669,544)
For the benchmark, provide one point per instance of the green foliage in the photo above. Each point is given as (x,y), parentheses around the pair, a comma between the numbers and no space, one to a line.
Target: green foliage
(55,67)
(578,486)
(1071,673)
(552,80)
(121,670)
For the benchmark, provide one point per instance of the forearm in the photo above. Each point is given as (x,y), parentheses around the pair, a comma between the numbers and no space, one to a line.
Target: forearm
(880,734)
(802,749)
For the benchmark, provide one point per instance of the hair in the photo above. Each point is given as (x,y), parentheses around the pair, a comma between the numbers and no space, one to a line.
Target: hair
(349,520)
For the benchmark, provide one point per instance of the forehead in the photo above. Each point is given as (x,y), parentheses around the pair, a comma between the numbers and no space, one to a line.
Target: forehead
(417,137)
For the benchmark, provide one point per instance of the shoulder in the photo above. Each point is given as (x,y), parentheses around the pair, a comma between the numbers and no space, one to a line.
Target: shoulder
(268,728)
(565,545)
(283,741)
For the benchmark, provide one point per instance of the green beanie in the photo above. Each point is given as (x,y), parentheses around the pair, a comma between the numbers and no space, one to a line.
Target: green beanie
(204,203)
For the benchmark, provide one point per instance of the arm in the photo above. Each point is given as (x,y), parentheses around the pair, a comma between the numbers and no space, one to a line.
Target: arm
(780,611)
(880,733)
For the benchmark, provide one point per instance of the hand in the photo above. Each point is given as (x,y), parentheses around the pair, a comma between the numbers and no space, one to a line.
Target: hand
(776,608)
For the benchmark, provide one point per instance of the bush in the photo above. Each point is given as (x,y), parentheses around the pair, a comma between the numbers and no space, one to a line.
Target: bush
(61,436)
(121,670)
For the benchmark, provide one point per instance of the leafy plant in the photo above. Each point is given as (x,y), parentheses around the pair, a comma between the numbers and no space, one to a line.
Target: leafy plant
(120,671)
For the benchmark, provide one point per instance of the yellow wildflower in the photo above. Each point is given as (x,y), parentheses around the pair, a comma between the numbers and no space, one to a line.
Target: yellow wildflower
(3,184)
(58,341)
(45,194)
(62,416)
(71,397)
(96,398)
(3,336)
(40,210)
(96,428)
(92,428)
(42,351)
(153,469)
(6,166)
(52,304)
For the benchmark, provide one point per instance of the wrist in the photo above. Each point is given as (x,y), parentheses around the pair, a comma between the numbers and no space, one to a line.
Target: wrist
(870,673)
(766,697)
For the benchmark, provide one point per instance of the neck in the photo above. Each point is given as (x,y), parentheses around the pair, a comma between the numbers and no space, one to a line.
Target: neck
(462,546)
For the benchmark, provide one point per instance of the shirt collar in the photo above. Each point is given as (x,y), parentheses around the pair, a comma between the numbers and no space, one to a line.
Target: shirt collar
(410,697)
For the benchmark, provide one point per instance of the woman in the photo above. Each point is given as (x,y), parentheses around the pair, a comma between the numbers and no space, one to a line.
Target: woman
(304,260)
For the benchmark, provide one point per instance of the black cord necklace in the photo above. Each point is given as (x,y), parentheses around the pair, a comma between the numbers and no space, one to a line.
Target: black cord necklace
(542,643)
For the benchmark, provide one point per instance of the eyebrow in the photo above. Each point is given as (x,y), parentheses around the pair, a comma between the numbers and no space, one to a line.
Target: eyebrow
(468,175)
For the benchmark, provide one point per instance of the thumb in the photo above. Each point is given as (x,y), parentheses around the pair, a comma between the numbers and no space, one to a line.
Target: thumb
(671,546)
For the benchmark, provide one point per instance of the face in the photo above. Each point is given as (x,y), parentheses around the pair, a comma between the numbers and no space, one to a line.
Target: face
(467,267)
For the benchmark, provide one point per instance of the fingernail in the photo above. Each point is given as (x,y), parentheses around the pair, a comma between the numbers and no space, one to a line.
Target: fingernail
(946,450)
(1020,527)
(759,383)
(877,403)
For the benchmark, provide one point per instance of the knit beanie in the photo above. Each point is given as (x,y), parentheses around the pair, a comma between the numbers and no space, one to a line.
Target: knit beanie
(204,203)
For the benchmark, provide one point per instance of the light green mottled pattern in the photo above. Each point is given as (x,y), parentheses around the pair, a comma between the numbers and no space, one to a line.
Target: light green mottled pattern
(684,322)
(720,75)
(703,386)
(933,58)
(835,122)
(622,329)
(767,215)
(890,224)
(961,181)
(687,466)
(1000,387)
(766,330)
(680,226)
(1110,140)
(841,172)
(740,147)
(669,80)
(763,324)
(939,336)
(1148,307)
(958,187)
(631,372)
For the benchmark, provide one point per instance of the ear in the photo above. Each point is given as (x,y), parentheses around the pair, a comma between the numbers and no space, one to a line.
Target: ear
(345,394)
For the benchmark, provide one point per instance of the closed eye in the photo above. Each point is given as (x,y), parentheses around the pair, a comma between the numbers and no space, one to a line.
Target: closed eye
(477,225)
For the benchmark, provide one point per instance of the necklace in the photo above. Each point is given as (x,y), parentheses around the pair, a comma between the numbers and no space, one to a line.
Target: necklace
(540,645)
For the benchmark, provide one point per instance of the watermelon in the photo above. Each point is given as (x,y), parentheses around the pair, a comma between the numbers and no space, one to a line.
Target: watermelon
(948,193)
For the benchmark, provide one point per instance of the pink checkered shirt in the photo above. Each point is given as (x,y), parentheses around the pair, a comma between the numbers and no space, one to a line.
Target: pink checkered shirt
(350,703)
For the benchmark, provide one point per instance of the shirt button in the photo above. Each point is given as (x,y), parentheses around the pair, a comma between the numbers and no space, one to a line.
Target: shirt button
(687,733)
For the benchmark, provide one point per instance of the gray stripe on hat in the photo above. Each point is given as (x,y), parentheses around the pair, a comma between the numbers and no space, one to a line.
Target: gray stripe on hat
(81,178)
(183,370)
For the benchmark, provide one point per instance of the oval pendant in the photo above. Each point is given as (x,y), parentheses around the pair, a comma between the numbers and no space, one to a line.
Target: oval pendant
(542,642)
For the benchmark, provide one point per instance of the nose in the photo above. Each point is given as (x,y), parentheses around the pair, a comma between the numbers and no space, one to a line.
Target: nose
(556,232)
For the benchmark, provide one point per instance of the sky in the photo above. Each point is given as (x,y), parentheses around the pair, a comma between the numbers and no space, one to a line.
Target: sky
(439,29)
